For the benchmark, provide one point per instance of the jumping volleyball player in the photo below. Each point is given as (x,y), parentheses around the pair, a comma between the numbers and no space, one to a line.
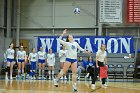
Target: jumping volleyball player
(9,56)
(33,60)
(21,57)
(62,56)
(41,62)
(51,63)
(71,58)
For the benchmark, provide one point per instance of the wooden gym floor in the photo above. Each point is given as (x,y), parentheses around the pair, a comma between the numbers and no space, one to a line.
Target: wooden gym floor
(46,86)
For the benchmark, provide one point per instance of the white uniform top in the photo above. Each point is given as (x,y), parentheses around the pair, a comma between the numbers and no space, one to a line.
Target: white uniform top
(62,55)
(21,55)
(33,57)
(71,48)
(51,58)
(10,53)
(41,55)
(101,55)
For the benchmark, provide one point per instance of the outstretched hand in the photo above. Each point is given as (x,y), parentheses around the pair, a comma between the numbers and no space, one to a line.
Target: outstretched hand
(88,52)
(65,31)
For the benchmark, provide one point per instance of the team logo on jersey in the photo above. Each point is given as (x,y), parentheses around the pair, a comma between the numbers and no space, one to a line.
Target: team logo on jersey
(33,57)
(73,47)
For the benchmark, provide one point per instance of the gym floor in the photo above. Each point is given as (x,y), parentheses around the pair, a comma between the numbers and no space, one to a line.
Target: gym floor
(46,86)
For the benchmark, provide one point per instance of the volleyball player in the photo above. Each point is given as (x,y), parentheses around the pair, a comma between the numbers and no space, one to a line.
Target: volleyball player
(51,63)
(71,58)
(9,56)
(41,62)
(101,60)
(21,57)
(33,61)
(62,56)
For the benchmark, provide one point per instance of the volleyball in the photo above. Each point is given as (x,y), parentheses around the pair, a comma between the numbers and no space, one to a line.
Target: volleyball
(77,10)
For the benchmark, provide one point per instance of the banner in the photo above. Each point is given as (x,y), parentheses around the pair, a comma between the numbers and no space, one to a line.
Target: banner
(110,11)
(91,43)
(133,11)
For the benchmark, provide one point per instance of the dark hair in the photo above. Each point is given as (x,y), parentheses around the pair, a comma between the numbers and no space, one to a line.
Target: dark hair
(21,46)
(32,49)
(67,40)
(10,44)
(79,58)
(89,57)
(50,49)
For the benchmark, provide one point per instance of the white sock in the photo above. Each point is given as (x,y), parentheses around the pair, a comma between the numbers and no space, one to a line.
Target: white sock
(39,72)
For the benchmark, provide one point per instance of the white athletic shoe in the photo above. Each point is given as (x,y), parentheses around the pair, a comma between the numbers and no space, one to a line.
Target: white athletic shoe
(34,78)
(44,78)
(78,78)
(11,78)
(6,78)
(87,75)
(65,77)
(74,87)
(93,86)
(61,78)
(104,86)
(39,78)
(56,82)
(49,78)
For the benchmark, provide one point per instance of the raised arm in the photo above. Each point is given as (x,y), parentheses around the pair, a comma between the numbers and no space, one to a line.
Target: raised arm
(60,38)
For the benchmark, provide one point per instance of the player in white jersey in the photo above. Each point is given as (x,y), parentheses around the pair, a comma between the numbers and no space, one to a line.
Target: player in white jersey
(41,62)
(51,63)
(62,56)
(9,56)
(21,57)
(71,58)
(33,60)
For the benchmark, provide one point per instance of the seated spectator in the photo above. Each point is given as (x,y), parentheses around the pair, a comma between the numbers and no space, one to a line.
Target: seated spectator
(81,66)
(90,67)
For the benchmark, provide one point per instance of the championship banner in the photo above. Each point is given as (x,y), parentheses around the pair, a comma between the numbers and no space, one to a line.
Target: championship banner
(91,43)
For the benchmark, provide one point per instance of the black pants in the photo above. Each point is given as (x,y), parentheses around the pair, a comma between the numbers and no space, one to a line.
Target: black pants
(97,71)
(90,70)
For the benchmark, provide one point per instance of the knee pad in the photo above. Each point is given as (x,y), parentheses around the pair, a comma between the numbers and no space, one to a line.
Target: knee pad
(61,72)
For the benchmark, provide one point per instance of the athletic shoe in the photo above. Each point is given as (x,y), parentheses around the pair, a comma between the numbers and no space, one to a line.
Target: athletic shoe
(18,77)
(87,75)
(11,78)
(6,78)
(23,77)
(74,87)
(65,77)
(93,86)
(49,78)
(61,78)
(56,82)
(39,78)
(104,86)
(78,78)
(44,78)
(34,78)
